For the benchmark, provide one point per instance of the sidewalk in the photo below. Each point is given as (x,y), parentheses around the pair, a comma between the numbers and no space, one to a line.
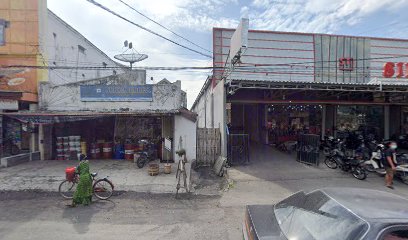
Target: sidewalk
(125,175)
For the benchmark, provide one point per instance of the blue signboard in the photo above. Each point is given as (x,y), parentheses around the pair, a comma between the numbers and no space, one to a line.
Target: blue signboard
(117,93)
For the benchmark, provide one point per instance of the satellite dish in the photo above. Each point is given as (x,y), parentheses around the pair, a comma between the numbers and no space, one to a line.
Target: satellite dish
(132,57)
(15,81)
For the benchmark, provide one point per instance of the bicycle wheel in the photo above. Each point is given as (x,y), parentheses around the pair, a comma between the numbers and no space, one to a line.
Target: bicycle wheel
(103,189)
(66,189)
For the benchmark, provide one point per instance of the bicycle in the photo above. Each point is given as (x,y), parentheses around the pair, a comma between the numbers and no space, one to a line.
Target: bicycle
(102,188)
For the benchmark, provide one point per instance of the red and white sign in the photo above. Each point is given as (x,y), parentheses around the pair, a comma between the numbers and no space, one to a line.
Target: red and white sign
(346,64)
(398,70)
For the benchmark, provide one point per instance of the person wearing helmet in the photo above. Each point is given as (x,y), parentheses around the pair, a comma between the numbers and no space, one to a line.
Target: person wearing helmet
(390,164)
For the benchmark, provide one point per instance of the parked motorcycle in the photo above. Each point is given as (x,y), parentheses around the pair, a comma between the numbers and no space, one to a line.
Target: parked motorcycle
(148,154)
(338,159)
(327,145)
(401,171)
(403,141)
(374,164)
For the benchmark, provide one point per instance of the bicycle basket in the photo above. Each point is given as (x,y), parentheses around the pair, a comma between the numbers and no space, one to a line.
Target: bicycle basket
(70,173)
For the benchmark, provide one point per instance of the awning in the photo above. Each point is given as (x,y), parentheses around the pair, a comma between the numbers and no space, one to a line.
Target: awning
(49,117)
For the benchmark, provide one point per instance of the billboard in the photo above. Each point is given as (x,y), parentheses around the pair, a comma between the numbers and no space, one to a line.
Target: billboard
(116,93)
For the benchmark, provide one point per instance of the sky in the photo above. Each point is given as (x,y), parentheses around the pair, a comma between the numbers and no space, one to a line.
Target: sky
(194,20)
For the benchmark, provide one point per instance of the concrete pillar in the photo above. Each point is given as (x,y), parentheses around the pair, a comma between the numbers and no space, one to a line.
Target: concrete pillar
(386,122)
(34,133)
(330,119)
(323,122)
(265,124)
(41,141)
(45,141)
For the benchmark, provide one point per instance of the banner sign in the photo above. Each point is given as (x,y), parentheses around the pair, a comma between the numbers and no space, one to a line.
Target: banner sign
(116,93)
(8,104)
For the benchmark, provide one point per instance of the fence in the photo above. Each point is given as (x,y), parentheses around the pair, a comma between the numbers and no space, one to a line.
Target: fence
(208,146)
(308,149)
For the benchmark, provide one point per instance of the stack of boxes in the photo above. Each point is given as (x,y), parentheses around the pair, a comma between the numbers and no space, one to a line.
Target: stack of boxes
(68,147)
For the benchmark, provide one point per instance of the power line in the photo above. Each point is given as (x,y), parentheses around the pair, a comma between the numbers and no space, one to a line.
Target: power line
(178,35)
(146,29)
(254,67)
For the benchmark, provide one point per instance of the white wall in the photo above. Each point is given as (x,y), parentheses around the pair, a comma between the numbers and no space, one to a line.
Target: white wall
(186,129)
(220,114)
(60,48)
(203,107)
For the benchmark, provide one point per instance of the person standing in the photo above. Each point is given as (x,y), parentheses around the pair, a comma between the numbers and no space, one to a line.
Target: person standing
(83,193)
(390,164)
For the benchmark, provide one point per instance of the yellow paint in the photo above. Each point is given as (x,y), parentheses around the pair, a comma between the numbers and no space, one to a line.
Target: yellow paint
(26,18)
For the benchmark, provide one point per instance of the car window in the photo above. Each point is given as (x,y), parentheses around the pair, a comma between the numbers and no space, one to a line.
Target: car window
(396,235)
(317,216)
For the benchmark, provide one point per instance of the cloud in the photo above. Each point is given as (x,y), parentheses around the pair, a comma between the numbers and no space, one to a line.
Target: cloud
(326,16)
(195,19)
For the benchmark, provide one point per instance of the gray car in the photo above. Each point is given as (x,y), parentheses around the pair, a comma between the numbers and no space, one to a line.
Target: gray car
(330,213)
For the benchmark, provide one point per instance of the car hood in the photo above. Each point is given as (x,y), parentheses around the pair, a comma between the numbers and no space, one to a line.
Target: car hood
(265,223)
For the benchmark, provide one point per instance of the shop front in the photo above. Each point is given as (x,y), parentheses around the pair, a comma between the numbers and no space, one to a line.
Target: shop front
(118,120)
(278,85)
(272,116)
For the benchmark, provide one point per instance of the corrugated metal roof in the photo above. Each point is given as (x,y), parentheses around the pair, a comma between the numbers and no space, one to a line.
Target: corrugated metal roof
(92,113)
(49,117)
(403,84)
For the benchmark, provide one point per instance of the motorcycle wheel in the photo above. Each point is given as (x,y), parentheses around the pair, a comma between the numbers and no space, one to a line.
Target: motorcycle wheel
(369,168)
(404,179)
(330,163)
(359,173)
(141,161)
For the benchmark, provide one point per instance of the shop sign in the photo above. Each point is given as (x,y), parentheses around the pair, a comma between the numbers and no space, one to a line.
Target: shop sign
(117,93)
(8,104)
(398,70)
(346,64)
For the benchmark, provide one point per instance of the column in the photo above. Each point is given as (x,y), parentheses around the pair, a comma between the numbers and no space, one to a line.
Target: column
(386,122)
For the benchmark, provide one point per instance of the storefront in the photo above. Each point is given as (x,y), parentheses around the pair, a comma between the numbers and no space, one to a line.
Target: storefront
(112,121)
(280,84)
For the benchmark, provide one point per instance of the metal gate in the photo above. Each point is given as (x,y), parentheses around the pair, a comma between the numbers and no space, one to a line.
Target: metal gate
(208,145)
(308,149)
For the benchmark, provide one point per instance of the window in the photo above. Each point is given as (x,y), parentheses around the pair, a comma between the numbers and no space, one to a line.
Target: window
(317,216)
(81,49)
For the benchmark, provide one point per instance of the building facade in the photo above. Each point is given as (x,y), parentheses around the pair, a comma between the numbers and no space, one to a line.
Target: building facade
(285,83)
(37,46)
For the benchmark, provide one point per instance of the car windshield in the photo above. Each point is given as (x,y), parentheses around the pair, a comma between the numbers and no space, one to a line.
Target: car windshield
(317,216)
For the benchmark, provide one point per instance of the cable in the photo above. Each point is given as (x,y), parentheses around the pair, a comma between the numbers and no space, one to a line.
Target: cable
(178,35)
(255,67)
(146,29)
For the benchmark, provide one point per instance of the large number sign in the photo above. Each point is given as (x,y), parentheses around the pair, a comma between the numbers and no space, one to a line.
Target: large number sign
(395,70)
(117,93)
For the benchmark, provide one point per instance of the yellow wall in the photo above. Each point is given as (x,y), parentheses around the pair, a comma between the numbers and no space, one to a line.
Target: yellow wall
(22,43)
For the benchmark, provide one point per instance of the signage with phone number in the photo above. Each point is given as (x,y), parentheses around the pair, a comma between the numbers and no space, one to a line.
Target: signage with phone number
(116,93)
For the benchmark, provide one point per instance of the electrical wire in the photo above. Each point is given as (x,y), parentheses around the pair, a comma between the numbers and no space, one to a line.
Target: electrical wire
(178,35)
(146,29)
(257,67)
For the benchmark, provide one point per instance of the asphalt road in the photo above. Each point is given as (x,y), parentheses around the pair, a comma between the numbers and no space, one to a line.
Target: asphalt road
(27,215)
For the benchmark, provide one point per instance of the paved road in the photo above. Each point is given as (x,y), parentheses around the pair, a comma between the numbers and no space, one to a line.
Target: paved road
(269,177)
(26,215)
